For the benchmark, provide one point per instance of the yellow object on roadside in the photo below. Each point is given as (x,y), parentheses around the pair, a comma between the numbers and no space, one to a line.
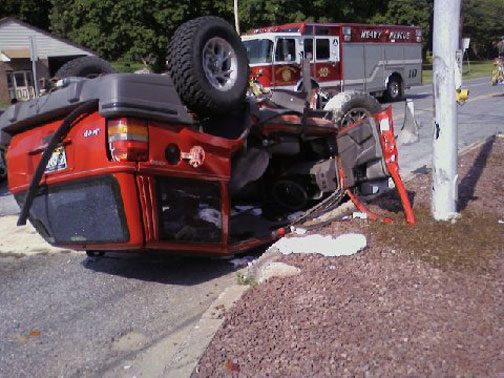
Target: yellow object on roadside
(498,72)
(461,96)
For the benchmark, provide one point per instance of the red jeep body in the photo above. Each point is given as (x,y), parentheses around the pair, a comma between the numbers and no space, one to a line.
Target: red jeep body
(135,172)
(146,196)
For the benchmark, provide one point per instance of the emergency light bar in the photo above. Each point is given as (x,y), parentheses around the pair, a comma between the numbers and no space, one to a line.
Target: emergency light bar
(418,35)
(347,33)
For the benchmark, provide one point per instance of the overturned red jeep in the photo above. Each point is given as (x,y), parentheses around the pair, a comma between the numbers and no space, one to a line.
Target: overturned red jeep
(188,162)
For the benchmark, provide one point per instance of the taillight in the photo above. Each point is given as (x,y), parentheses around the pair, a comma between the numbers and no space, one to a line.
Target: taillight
(128,139)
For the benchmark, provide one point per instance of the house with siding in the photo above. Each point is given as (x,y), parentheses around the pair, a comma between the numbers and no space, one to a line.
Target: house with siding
(16,66)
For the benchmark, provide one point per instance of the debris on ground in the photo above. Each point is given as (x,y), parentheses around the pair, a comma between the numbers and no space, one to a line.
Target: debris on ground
(298,230)
(257,211)
(359,215)
(240,262)
(343,245)
(277,269)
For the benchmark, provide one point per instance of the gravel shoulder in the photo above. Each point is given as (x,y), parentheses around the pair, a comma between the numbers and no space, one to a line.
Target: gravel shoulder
(422,300)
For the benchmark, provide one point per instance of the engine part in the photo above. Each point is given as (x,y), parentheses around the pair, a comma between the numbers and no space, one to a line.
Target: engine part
(290,194)
(326,175)
(360,153)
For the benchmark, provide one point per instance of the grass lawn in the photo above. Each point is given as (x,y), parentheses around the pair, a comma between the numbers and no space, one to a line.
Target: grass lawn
(4,105)
(127,66)
(471,71)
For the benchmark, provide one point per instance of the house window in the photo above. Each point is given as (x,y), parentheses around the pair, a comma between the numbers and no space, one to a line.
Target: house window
(10,85)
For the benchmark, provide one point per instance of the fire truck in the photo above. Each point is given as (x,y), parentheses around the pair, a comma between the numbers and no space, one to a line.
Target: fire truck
(378,59)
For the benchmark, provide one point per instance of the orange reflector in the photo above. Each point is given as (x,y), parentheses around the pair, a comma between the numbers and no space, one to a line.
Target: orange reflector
(128,139)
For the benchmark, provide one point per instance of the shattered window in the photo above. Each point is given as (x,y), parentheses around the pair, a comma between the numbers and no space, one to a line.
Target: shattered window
(190,210)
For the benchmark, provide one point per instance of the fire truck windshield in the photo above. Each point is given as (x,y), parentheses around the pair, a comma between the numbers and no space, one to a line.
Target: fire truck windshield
(259,50)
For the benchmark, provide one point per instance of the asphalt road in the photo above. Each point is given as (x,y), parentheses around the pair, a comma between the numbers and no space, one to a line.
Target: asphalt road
(481,116)
(66,315)
(97,316)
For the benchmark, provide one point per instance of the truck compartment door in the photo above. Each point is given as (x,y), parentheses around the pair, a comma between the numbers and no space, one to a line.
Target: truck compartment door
(353,66)
(413,64)
(374,67)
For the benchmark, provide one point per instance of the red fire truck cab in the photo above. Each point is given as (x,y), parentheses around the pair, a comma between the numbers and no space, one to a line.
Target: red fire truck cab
(378,59)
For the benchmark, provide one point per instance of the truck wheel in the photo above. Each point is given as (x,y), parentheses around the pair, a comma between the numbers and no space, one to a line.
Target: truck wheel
(208,65)
(87,66)
(394,88)
(352,106)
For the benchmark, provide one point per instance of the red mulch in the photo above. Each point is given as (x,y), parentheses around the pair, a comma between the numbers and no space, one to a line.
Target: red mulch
(423,300)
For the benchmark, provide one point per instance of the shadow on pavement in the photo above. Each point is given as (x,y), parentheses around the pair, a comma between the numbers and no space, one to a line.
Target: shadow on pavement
(3,189)
(467,185)
(161,267)
(413,96)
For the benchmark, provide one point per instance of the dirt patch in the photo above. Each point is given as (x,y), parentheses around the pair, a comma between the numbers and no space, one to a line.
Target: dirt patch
(128,342)
(423,300)
(22,240)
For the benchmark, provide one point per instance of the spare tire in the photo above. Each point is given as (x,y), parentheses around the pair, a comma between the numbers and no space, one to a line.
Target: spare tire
(351,107)
(87,66)
(208,65)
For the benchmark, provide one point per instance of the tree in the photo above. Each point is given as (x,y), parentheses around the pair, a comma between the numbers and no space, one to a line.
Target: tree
(409,12)
(135,29)
(258,13)
(129,29)
(482,22)
(34,12)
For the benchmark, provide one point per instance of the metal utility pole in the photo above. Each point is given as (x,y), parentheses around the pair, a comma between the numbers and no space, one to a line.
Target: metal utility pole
(34,58)
(236,16)
(444,164)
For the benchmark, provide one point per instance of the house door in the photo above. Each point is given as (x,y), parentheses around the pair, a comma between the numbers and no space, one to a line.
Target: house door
(20,85)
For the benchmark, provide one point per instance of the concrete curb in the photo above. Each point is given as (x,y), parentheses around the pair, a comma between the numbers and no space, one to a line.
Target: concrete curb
(191,350)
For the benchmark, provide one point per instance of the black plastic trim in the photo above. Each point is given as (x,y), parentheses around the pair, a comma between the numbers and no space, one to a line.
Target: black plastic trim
(136,106)
(83,183)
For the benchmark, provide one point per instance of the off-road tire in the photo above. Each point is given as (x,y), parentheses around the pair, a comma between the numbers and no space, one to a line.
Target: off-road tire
(185,64)
(343,104)
(87,66)
(394,90)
